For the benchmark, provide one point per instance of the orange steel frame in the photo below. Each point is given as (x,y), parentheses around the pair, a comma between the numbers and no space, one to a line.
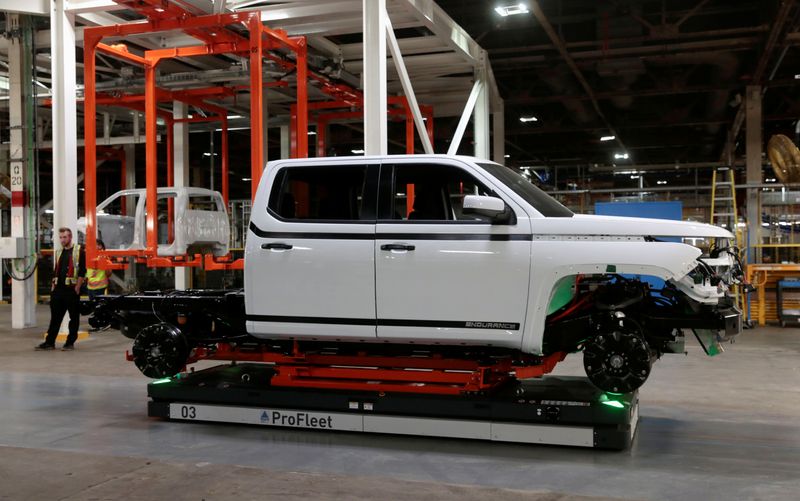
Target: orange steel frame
(433,374)
(210,29)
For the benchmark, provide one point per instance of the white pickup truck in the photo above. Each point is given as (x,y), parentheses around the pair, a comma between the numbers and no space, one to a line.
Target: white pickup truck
(448,253)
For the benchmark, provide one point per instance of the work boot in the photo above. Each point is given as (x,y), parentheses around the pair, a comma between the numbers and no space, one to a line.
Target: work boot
(68,347)
(44,346)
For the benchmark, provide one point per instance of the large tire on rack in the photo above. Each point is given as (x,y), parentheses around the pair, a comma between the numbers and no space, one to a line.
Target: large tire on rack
(160,350)
(618,358)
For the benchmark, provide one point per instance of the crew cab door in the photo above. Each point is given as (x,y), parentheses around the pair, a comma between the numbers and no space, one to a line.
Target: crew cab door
(309,265)
(443,276)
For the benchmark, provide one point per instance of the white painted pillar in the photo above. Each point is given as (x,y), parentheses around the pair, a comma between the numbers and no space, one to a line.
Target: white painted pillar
(285,142)
(23,295)
(130,183)
(499,135)
(65,137)
(481,118)
(373,77)
(183,274)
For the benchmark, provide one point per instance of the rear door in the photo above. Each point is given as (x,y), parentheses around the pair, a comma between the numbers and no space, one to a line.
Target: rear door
(443,276)
(310,255)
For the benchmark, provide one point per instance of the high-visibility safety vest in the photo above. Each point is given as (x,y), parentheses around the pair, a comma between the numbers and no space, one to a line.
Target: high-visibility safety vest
(72,269)
(96,279)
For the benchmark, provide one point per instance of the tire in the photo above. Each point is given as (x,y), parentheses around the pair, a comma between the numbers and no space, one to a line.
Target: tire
(160,350)
(618,359)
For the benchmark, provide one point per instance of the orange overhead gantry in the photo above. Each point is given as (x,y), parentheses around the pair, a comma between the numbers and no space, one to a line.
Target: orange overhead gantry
(216,38)
(240,33)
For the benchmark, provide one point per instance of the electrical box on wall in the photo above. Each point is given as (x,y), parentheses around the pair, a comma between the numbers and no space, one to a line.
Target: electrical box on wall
(13,247)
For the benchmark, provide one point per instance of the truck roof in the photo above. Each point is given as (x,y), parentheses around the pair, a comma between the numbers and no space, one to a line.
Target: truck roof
(352,158)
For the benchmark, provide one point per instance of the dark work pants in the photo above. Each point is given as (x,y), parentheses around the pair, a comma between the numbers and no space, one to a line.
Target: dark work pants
(63,300)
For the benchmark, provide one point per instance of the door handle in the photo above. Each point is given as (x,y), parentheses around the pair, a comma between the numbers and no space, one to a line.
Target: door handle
(392,247)
(277,246)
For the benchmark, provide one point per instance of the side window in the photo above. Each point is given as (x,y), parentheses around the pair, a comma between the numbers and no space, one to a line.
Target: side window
(320,193)
(434,193)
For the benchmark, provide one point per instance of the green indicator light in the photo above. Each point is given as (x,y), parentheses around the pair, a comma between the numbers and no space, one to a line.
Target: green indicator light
(161,381)
(614,403)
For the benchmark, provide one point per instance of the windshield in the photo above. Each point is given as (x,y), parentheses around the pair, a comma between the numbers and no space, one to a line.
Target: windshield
(541,201)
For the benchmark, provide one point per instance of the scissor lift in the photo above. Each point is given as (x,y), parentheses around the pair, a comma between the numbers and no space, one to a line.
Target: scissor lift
(551,410)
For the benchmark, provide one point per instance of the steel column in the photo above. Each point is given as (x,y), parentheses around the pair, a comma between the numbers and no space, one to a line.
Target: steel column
(499,135)
(65,126)
(302,100)
(256,104)
(373,77)
(180,111)
(481,117)
(285,141)
(23,292)
(151,157)
(753,154)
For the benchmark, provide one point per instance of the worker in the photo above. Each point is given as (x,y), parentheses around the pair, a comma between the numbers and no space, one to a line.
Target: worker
(97,280)
(69,272)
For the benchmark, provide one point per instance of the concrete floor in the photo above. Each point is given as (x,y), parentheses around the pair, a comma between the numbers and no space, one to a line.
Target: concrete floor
(74,426)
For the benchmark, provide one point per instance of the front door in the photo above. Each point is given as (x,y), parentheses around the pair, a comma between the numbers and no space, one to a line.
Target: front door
(443,276)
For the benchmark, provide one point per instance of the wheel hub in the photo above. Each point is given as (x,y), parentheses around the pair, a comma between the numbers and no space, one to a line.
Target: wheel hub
(618,361)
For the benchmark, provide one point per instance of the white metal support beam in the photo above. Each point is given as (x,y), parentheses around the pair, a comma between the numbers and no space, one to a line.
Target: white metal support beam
(183,274)
(130,183)
(23,297)
(499,134)
(465,116)
(408,89)
(36,7)
(374,77)
(65,140)
(481,121)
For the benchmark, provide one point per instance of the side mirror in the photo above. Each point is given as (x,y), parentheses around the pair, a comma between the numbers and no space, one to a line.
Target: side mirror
(491,207)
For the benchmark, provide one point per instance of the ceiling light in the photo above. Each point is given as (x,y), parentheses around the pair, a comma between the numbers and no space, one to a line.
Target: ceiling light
(506,156)
(528,119)
(621,156)
(512,10)
(770,180)
(608,138)
(159,9)
(661,182)
(357,152)
(231,117)
(312,133)
(246,179)
(635,177)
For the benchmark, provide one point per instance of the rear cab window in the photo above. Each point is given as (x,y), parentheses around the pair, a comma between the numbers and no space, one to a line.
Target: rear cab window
(324,193)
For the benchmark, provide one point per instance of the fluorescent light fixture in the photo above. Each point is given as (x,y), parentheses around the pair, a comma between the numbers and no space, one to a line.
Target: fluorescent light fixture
(159,9)
(506,156)
(770,180)
(231,117)
(621,156)
(207,154)
(512,10)
(528,119)
(312,133)
(635,177)
(246,179)
(608,138)
(189,116)
(48,211)
(357,152)
(661,182)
